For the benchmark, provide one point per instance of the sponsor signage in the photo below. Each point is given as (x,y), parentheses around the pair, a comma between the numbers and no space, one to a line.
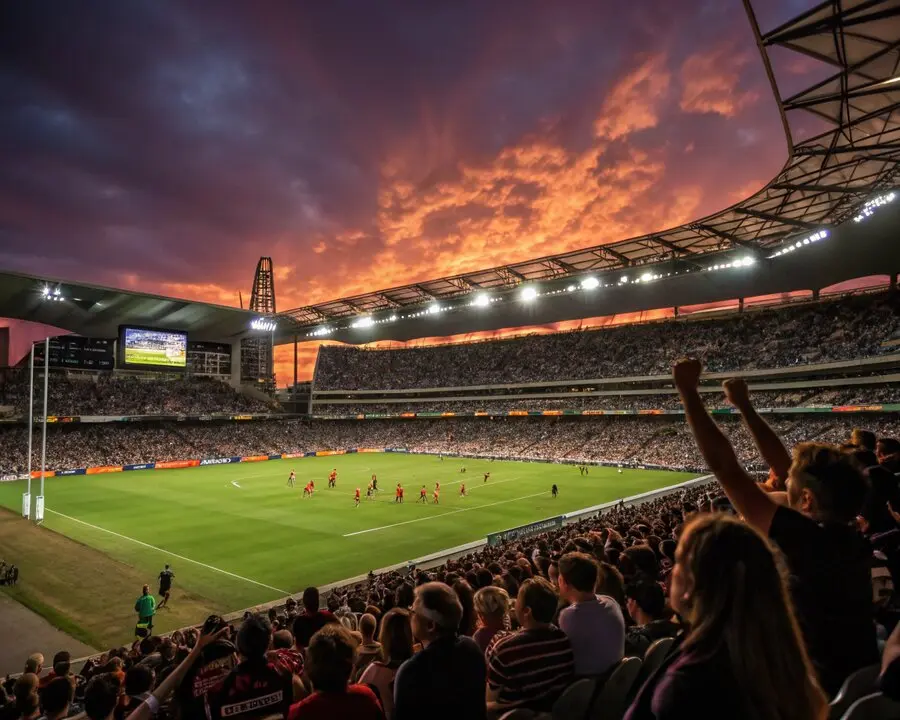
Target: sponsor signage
(255,458)
(104,469)
(858,408)
(241,417)
(523,531)
(218,461)
(518,413)
(140,466)
(176,464)
(73,471)
(552,412)
(275,456)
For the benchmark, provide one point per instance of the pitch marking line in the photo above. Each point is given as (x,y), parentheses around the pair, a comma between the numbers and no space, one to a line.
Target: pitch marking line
(451,512)
(180,557)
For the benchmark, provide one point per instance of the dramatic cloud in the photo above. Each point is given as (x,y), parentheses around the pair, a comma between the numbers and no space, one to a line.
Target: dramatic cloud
(165,146)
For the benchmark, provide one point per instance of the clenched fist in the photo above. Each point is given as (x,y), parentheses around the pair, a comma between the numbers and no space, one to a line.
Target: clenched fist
(686,374)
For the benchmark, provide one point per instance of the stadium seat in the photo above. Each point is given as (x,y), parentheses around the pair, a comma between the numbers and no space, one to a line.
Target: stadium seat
(575,700)
(656,653)
(876,706)
(611,702)
(857,685)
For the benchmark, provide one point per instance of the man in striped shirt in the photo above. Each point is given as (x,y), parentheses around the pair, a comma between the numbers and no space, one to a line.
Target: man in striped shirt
(530,668)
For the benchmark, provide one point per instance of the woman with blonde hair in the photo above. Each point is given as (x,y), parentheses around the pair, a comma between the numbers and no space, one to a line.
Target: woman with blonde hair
(742,655)
(492,610)
(396,640)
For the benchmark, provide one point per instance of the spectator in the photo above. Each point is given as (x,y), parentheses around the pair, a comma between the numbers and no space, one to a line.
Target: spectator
(594,623)
(530,668)
(888,453)
(25,692)
(742,656)
(101,696)
(139,683)
(467,599)
(653,620)
(34,664)
(56,697)
(447,678)
(256,687)
(828,558)
(492,610)
(863,439)
(396,641)
(61,665)
(204,678)
(369,650)
(330,661)
(313,618)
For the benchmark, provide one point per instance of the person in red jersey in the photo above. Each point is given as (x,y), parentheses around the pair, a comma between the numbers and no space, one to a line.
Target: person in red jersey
(332,479)
(423,495)
(291,479)
(357,497)
(308,490)
(462,490)
(437,487)
(399,496)
(435,496)
(330,661)
(486,476)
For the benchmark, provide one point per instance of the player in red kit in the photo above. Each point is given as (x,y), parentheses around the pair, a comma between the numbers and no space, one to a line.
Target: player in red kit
(435,496)
(291,479)
(398,498)
(332,479)
(357,497)
(462,490)
(308,490)
(423,495)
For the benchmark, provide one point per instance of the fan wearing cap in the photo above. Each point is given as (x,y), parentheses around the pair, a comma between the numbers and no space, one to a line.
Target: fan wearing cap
(447,678)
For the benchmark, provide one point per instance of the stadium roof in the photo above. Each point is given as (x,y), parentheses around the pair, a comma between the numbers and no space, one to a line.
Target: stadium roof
(95,311)
(825,180)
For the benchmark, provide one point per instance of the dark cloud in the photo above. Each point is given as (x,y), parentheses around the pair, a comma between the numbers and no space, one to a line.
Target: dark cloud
(166,145)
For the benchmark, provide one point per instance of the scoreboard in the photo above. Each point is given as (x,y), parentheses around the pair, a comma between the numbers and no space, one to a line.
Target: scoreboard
(78,353)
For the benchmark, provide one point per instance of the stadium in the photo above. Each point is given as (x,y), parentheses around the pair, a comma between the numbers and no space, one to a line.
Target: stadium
(531,496)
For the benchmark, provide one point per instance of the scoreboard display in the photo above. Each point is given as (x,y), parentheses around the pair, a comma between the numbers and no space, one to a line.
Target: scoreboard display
(78,353)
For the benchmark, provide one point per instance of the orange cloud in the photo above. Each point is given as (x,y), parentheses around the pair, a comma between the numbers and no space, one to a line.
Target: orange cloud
(634,103)
(710,82)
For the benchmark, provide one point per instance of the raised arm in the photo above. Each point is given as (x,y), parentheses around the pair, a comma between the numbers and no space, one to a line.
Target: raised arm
(748,499)
(773,451)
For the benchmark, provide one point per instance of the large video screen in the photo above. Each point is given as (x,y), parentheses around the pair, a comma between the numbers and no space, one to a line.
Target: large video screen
(162,348)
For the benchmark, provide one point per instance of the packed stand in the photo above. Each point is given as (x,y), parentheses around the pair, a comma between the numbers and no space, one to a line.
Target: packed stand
(844,329)
(113,394)
(629,440)
(788,398)
(670,608)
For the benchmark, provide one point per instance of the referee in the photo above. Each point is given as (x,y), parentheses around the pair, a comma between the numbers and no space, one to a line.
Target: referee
(145,607)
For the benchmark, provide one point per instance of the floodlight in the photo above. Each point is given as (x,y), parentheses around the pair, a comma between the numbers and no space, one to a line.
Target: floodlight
(589,283)
(481,300)
(528,294)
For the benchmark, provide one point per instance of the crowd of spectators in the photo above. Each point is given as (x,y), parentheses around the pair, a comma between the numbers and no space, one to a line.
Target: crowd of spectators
(71,393)
(844,329)
(634,440)
(512,626)
(794,397)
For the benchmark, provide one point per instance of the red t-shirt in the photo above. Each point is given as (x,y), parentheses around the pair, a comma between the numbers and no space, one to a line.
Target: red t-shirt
(359,703)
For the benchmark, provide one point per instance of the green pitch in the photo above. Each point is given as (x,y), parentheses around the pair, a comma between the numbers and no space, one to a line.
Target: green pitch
(237,535)
(146,356)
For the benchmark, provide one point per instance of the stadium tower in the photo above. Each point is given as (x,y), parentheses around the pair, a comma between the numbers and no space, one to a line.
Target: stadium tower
(256,352)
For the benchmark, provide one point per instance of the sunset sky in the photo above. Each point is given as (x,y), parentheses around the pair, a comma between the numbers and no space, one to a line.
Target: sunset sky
(165,146)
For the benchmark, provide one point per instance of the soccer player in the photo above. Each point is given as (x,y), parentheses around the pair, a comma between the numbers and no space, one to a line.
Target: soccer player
(356,498)
(332,479)
(462,469)
(486,476)
(423,495)
(437,487)
(398,498)
(369,491)
(308,490)
(554,491)
(374,483)
(165,586)
(291,479)
(436,496)
(462,490)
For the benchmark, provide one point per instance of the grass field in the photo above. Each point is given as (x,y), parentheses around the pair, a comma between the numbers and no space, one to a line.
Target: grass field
(237,536)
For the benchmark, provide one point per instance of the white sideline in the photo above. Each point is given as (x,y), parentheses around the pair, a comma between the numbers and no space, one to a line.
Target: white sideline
(176,555)
(451,512)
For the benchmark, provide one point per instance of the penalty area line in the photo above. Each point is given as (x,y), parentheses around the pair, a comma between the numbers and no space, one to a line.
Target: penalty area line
(167,552)
(451,512)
